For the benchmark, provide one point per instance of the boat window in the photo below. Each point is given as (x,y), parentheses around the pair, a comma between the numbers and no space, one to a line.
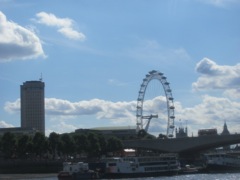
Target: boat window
(112,164)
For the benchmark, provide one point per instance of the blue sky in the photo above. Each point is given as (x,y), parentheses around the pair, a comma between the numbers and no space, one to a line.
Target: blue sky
(93,56)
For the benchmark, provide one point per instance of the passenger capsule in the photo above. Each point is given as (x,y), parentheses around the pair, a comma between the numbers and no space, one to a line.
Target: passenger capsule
(153,71)
(172,126)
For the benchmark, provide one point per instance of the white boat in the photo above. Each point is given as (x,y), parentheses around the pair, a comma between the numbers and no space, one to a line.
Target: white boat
(76,171)
(187,169)
(142,166)
(222,162)
(122,167)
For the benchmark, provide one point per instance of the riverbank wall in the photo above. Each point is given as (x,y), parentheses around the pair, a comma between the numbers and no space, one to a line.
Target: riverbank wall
(29,166)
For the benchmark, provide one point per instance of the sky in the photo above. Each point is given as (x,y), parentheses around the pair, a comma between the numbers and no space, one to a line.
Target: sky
(94,55)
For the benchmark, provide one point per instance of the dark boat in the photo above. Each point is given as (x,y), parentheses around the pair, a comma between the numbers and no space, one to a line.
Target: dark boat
(76,171)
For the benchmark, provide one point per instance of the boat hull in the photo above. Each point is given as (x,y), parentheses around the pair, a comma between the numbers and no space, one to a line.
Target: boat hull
(222,168)
(188,171)
(223,162)
(86,176)
(77,176)
(138,175)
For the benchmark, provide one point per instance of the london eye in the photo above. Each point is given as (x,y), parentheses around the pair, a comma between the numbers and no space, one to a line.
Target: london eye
(143,119)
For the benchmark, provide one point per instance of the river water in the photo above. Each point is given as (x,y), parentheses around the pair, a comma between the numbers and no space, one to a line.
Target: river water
(226,176)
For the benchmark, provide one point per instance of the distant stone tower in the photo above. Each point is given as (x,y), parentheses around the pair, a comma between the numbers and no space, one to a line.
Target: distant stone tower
(225,132)
(181,132)
(225,129)
(32,105)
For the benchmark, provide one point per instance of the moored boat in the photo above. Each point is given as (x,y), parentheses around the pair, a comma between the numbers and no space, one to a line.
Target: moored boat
(222,162)
(75,171)
(122,167)
(188,169)
(142,166)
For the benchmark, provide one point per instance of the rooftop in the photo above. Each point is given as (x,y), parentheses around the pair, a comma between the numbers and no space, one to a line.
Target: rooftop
(114,128)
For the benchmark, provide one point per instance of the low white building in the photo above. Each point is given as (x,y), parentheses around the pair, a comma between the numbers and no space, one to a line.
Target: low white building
(119,131)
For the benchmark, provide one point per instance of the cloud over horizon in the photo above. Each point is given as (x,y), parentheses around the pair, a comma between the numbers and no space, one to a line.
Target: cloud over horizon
(217,77)
(64,25)
(210,113)
(3,124)
(17,42)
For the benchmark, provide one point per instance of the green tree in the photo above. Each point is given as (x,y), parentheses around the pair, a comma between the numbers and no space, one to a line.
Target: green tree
(67,144)
(39,144)
(103,144)
(94,148)
(114,144)
(0,143)
(23,145)
(81,143)
(54,143)
(9,144)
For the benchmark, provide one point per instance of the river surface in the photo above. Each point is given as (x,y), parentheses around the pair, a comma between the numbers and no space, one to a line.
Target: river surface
(226,176)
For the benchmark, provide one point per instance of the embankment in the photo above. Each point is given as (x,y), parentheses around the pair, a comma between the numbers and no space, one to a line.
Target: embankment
(29,166)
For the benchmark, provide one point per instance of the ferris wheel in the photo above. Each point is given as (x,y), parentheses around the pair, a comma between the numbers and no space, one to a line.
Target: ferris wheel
(155,75)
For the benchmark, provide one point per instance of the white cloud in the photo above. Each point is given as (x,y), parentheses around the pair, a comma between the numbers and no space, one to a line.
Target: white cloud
(156,105)
(232,93)
(210,113)
(17,42)
(117,110)
(100,108)
(55,106)
(64,25)
(61,127)
(220,3)
(214,76)
(72,34)
(12,107)
(3,124)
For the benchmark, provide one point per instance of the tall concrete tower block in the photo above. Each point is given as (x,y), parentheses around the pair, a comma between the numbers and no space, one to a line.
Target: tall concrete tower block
(32,105)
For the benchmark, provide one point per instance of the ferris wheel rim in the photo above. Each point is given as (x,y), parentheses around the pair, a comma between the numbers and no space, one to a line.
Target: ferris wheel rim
(169,100)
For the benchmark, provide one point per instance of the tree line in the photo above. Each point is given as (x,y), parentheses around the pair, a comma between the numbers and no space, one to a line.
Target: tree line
(57,146)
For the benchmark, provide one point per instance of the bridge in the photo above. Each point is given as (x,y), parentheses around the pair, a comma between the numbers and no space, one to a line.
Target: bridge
(183,145)
(209,139)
